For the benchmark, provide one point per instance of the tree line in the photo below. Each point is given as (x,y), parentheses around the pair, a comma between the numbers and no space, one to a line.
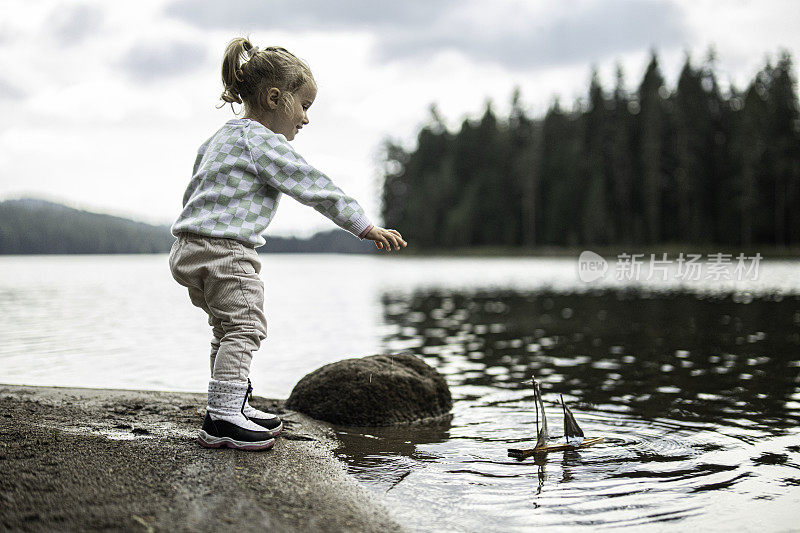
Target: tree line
(692,164)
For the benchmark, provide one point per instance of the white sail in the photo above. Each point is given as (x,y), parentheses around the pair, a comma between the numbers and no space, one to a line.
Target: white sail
(573,434)
(542,435)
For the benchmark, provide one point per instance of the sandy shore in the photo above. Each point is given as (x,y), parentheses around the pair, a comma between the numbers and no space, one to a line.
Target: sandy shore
(86,459)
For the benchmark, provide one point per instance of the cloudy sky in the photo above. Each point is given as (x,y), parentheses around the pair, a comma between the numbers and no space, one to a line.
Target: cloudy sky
(104,104)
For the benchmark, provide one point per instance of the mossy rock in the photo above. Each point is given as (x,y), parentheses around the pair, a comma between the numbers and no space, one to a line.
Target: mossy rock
(377,390)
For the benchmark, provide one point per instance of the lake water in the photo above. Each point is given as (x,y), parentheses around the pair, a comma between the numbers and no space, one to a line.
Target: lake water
(693,384)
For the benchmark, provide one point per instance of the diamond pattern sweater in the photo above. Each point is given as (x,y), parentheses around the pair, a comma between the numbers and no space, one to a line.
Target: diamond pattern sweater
(239,176)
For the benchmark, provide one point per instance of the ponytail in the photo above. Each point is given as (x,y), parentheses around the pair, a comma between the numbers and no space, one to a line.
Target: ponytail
(247,73)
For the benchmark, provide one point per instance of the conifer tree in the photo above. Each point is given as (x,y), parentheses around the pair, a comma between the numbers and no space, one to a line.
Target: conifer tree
(690,175)
(691,166)
(560,167)
(621,163)
(783,147)
(596,167)
(651,129)
(524,168)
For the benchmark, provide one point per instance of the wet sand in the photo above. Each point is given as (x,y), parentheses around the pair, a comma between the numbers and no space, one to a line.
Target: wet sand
(87,459)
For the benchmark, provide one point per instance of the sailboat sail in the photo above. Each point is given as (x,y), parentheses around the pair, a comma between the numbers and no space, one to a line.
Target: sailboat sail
(573,434)
(572,431)
(542,434)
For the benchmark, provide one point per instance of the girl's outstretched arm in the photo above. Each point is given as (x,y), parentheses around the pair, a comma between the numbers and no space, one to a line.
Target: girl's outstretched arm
(279,166)
(385,238)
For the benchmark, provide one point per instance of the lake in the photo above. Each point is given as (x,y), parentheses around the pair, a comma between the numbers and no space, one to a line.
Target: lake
(692,382)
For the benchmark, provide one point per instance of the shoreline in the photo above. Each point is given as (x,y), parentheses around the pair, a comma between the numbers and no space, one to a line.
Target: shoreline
(85,459)
(768,252)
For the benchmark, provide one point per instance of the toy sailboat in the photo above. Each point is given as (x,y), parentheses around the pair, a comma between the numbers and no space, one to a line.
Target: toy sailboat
(573,434)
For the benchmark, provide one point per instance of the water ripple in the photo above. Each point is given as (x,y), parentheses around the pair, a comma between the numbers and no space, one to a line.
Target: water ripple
(695,395)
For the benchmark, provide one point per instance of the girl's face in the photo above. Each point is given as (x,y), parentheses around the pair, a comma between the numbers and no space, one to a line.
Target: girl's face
(289,121)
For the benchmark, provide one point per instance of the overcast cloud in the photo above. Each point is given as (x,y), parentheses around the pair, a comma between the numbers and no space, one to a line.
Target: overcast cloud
(151,61)
(73,23)
(105,103)
(9,91)
(508,33)
(313,15)
(567,36)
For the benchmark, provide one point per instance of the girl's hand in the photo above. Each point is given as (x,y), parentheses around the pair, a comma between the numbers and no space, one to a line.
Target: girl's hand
(385,238)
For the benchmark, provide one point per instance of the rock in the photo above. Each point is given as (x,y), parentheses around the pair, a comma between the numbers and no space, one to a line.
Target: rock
(378,390)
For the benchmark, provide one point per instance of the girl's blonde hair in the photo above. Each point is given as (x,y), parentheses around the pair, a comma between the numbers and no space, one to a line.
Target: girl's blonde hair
(248,73)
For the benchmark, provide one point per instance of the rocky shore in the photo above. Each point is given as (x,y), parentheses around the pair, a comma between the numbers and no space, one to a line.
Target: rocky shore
(86,459)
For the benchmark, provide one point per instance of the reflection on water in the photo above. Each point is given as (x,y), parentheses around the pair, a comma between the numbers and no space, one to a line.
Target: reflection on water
(697,396)
(398,455)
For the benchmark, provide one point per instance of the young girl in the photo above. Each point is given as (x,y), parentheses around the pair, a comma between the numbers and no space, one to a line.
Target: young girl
(237,181)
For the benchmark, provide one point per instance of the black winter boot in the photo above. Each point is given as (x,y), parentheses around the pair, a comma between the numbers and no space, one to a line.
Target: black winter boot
(225,423)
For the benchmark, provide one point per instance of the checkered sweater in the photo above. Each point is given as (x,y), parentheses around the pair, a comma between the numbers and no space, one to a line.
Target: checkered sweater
(237,181)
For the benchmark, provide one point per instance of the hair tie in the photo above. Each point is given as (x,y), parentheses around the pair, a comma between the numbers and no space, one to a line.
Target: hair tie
(253,51)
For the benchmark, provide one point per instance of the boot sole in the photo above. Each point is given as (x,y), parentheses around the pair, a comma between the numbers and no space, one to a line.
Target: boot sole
(210,441)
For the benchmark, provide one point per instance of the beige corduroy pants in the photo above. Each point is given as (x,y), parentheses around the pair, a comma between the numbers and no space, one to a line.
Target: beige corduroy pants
(222,278)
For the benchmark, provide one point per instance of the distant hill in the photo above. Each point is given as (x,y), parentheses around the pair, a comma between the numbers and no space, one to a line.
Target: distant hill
(32,226)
